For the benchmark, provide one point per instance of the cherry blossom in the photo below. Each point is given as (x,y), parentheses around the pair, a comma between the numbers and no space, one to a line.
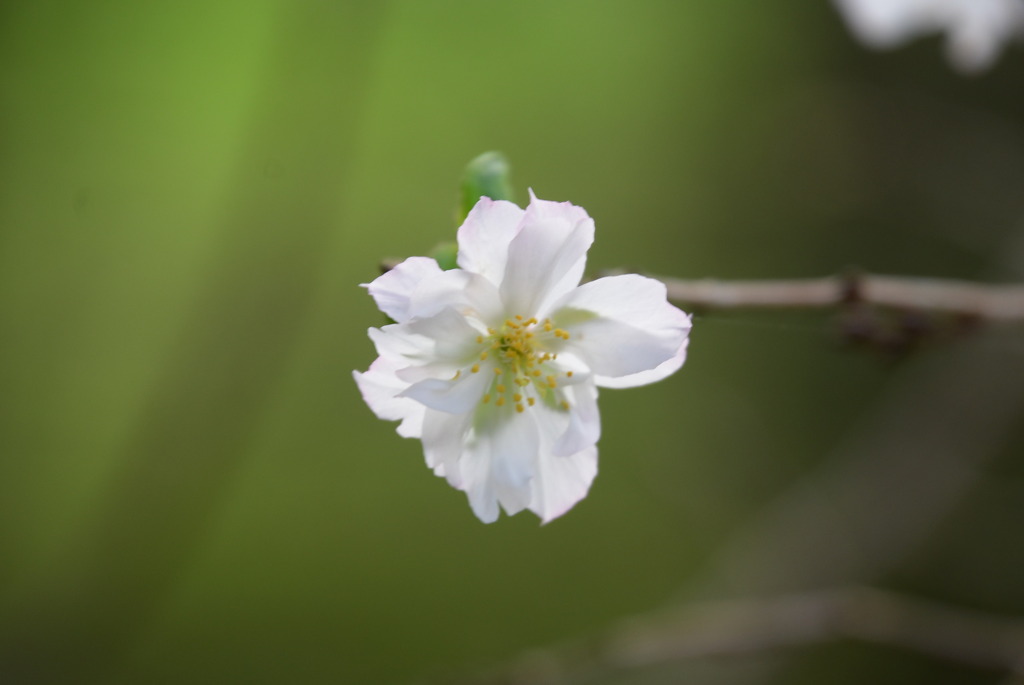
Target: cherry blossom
(496,365)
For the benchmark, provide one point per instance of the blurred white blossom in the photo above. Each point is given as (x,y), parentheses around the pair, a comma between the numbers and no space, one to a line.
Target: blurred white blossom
(495,365)
(975,29)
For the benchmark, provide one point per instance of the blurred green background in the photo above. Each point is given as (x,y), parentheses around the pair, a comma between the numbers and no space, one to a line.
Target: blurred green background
(191,488)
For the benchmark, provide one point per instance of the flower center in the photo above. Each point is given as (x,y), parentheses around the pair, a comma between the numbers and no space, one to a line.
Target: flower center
(522,358)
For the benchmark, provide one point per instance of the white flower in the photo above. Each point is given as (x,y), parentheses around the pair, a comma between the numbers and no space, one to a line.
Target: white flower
(495,365)
(976,29)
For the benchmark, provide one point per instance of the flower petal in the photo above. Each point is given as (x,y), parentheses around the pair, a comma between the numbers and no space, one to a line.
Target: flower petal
(444,440)
(393,290)
(468,293)
(513,451)
(448,334)
(622,326)
(561,482)
(479,486)
(547,257)
(457,396)
(663,370)
(484,237)
(380,388)
(584,426)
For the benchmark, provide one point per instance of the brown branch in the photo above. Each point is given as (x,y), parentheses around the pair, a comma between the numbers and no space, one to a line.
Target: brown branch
(989,302)
(751,626)
(739,627)
(980,301)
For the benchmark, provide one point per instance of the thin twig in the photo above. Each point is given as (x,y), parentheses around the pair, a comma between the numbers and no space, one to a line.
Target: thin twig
(751,626)
(987,302)
(970,299)
(739,627)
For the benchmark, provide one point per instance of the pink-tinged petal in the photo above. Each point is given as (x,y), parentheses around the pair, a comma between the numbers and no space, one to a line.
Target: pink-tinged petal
(457,396)
(623,326)
(547,257)
(484,237)
(380,388)
(393,290)
(561,482)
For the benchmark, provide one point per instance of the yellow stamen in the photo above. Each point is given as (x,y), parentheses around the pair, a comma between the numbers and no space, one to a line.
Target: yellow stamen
(475,369)
(568,374)
(517,397)
(520,408)
(487,398)
(530,401)
(500,401)
(500,388)
(565,405)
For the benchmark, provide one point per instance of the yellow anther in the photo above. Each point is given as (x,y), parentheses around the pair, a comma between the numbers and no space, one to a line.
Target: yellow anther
(519,317)
(500,387)
(535,372)
(500,401)
(530,401)
(520,408)
(568,374)
(487,398)
(547,326)
(479,339)
(483,356)
(475,369)
(517,397)
(550,380)
(511,324)
(497,371)
(564,404)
